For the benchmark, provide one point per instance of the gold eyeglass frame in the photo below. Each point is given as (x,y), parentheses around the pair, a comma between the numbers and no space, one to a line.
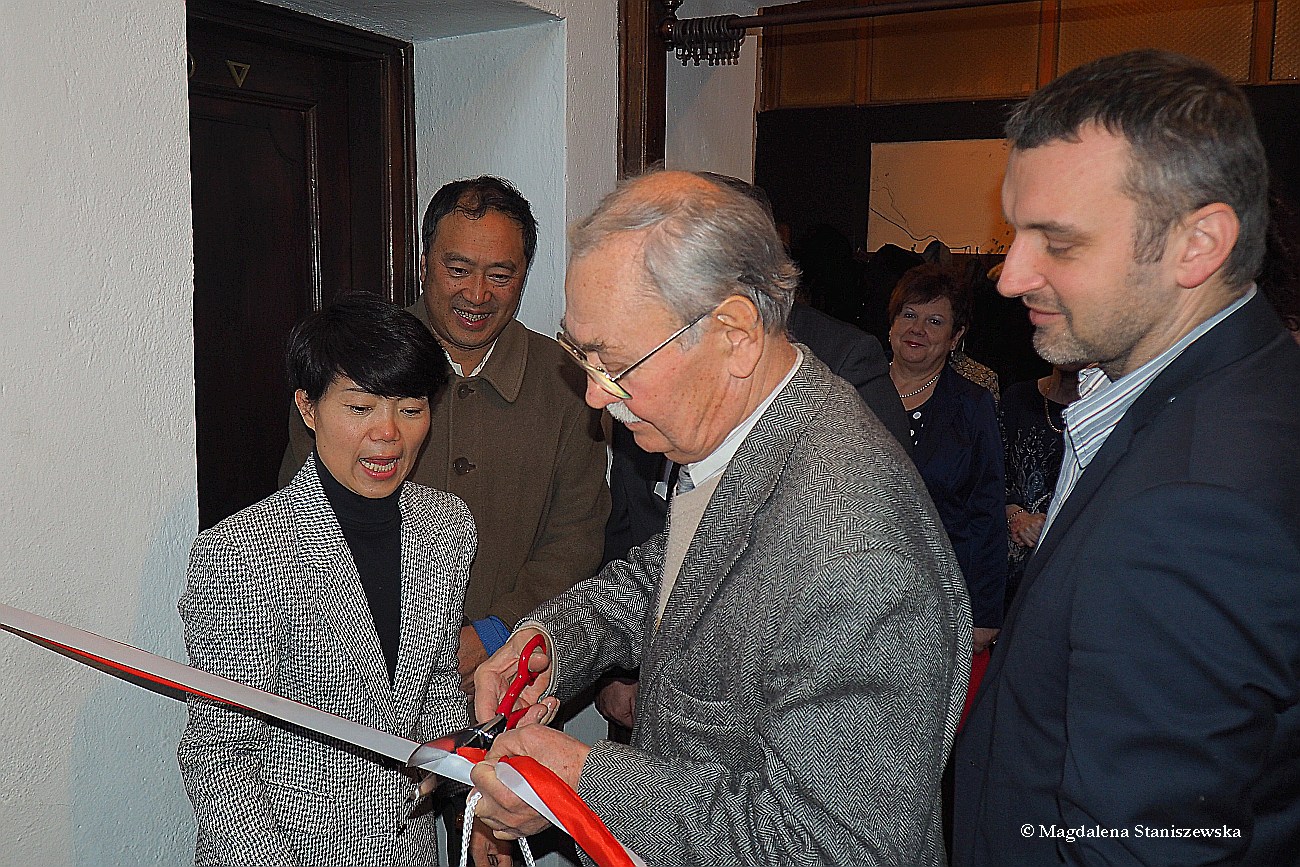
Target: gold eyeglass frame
(600,376)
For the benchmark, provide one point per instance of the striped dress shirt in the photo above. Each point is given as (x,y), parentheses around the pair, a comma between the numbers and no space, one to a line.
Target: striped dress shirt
(1102,403)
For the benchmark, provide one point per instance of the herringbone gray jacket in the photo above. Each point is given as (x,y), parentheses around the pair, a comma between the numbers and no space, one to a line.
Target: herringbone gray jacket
(802,692)
(274,601)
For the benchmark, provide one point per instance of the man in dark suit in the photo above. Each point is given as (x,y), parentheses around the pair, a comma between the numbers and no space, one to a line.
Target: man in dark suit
(1143,703)
(856,357)
(802,628)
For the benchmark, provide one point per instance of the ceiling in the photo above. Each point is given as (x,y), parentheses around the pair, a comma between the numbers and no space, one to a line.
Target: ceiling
(419,20)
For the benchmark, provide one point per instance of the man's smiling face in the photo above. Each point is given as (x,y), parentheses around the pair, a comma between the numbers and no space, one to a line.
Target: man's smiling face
(473,278)
(1073,261)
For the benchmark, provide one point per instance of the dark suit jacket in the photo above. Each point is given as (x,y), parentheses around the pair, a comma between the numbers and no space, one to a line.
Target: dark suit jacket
(637,510)
(638,513)
(1149,671)
(959,454)
(856,357)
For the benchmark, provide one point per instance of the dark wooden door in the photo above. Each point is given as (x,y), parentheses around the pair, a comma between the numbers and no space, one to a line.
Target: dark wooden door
(302,189)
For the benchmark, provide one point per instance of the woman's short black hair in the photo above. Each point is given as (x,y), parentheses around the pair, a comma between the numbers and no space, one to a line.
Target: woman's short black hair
(930,282)
(379,346)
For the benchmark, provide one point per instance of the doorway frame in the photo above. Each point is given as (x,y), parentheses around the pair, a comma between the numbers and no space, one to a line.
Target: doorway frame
(396,59)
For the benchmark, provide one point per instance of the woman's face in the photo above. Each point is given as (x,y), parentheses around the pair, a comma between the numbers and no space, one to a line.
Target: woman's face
(921,335)
(369,443)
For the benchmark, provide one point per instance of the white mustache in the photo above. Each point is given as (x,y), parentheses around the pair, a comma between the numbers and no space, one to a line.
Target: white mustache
(620,412)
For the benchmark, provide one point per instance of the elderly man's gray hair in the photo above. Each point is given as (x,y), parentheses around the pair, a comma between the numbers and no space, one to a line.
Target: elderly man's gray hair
(703,242)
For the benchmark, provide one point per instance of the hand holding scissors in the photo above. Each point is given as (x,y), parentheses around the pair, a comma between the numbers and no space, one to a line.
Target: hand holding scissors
(506,717)
(496,677)
(481,736)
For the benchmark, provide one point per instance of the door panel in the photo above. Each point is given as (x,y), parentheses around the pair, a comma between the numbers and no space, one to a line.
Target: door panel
(302,176)
(252,247)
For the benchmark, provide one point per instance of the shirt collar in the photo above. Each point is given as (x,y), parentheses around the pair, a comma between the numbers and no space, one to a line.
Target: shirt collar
(706,468)
(1103,401)
(503,367)
(460,371)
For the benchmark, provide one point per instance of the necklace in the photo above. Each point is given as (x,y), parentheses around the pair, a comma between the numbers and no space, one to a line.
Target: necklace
(1047,411)
(931,382)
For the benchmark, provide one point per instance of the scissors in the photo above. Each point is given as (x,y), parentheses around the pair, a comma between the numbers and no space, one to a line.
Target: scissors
(482,735)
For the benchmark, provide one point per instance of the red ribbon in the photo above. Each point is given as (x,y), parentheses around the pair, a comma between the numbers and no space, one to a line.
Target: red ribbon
(579,820)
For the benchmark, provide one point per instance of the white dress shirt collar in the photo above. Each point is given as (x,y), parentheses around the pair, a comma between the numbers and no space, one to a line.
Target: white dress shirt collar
(456,368)
(706,468)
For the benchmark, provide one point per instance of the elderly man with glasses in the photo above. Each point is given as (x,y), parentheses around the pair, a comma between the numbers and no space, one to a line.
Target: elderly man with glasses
(802,628)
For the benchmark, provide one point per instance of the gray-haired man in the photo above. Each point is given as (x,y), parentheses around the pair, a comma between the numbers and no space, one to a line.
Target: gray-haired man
(802,628)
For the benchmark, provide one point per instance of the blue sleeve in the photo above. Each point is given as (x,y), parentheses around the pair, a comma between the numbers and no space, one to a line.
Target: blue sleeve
(492,632)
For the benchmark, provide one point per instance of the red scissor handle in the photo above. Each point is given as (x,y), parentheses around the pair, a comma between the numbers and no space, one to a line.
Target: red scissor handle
(523,679)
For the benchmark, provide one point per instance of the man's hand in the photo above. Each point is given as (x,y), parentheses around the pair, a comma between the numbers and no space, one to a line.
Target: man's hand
(470,654)
(492,678)
(485,850)
(503,812)
(616,701)
(983,638)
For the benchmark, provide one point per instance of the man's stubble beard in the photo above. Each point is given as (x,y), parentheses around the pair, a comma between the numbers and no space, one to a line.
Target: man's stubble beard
(1117,338)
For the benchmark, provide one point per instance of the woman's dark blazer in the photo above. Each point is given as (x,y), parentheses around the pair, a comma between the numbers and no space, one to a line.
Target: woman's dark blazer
(959,454)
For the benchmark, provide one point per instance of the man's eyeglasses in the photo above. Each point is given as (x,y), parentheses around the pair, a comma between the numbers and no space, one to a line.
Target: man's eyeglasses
(601,377)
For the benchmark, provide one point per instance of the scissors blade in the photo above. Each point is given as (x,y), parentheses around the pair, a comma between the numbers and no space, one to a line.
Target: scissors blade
(427,754)
(480,736)
(134,663)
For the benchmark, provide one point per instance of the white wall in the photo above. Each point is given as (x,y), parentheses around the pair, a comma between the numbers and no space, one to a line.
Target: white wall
(493,103)
(710,109)
(537,105)
(96,424)
(591,100)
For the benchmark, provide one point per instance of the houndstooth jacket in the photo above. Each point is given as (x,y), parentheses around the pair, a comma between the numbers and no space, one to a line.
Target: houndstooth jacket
(801,694)
(274,601)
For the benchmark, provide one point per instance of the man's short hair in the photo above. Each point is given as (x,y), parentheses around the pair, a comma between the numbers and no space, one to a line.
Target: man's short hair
(703,243)
(377,345)
(1191,134)
(474,197)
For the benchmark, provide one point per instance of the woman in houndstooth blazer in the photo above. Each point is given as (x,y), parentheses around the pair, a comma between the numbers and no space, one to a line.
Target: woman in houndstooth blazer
(344,591)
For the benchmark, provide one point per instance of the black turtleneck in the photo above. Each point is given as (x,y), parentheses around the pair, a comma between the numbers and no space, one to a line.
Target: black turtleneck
(373,530)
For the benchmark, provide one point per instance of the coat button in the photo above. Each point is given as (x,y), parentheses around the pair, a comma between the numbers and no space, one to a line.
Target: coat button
(464,390)
(463,467)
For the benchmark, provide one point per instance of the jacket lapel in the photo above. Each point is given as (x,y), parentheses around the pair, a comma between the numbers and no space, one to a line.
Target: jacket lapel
(1231,340)
(943,406)
(419,585)
(720,539)
(335,586)
(726,526)
(1116,446)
